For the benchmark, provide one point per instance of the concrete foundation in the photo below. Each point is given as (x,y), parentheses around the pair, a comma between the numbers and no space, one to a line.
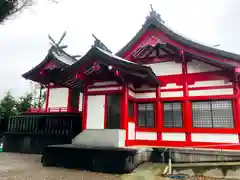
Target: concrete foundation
(217,170)
(200,155)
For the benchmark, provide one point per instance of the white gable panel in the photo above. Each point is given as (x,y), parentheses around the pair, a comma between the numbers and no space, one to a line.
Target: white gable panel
(166,68)
(58,97)
(197,66)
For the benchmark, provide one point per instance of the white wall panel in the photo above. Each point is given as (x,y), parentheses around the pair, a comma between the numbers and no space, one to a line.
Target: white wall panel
(166,68)
(131,93)
(172,94)
(145,95)
(80,102)
(104,89)
(58,97)
(197,66)
(131,131)
(95,112)
(220,138)
(146,135)
(211,92)
(166,136)
(210,83)
(171,86)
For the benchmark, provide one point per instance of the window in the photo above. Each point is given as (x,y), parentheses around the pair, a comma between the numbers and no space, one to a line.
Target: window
(130,109)
(212,114)
(146,115)
(172,115)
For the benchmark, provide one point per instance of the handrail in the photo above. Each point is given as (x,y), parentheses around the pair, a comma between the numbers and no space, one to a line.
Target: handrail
(207,147)
(51,109)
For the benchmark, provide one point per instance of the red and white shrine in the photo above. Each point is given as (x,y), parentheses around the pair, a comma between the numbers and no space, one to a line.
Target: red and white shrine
(160,90)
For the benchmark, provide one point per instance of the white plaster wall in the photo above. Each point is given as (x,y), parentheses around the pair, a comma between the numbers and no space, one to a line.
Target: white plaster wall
(172,94)
(197,66)
(220,138)
(211,92)
(166,136)
(171,86)
(101,138)
(131,93)
(104,89)
(80,102)
(210,83)
(145,95)
(146,135)
(95,112)
(131,131)
(58,97)
(166,68)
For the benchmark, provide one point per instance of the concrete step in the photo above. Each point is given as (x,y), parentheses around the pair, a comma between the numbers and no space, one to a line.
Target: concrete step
(101,138)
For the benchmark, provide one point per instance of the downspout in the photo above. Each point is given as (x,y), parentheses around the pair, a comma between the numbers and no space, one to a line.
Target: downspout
(169,162)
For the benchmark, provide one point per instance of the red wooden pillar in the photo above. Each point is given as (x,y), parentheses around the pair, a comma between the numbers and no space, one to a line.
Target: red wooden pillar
(236,103)
(124,109)
(187,107)
(84,108)
(69,105)
(159,114)
(47,99)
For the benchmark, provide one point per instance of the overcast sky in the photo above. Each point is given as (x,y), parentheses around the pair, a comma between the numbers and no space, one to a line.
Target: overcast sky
(24,41)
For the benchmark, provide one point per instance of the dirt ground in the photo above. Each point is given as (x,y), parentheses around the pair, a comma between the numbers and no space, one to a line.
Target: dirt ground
(15,166)
(28,167)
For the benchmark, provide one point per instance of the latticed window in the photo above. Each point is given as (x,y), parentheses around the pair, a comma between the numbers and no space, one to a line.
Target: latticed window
(146,115)
(172,115)
(212,114)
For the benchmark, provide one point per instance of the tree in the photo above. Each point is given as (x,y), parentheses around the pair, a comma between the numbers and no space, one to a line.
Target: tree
(10,7)
(8,105)
(24,103)
(11,106)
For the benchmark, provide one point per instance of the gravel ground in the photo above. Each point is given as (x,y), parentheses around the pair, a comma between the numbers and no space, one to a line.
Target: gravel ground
(28,167)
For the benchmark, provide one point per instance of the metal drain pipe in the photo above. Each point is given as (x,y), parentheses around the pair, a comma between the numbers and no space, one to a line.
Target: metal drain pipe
(162,155)
(170,162)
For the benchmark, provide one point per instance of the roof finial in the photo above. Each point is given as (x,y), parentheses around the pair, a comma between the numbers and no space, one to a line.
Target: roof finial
(154,14)
(151,7)
(98,43)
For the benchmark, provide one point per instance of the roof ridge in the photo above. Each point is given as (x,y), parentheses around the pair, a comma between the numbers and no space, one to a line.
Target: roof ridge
(154,19)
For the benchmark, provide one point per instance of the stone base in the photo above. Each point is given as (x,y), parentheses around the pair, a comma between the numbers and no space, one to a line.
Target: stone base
(110,160)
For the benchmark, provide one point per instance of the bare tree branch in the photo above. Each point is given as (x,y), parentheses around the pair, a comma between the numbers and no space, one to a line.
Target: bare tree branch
(12,7)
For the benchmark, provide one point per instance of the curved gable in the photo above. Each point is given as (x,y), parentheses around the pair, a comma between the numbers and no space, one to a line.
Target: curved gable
(154,30)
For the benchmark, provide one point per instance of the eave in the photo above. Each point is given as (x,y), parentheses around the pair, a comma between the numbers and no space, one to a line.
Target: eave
(52,57)
(68,76)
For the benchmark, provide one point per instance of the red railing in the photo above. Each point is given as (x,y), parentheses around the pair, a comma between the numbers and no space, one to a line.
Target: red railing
(57,109)
(35,110)
(52,109)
